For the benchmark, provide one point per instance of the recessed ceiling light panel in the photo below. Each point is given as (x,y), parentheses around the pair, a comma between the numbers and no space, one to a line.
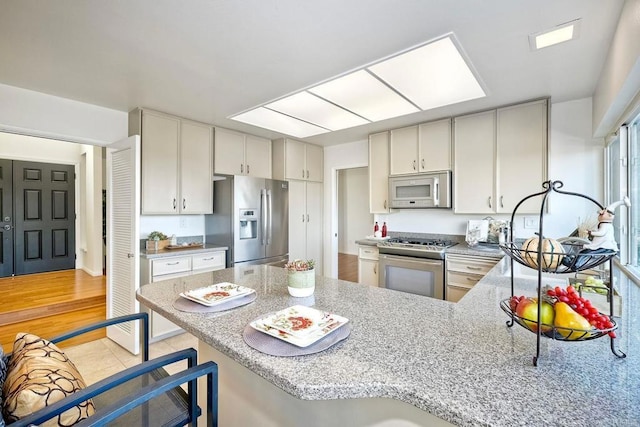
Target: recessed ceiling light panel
(431,76)
(315,110)
(269,119)
(365,95)
(559,34)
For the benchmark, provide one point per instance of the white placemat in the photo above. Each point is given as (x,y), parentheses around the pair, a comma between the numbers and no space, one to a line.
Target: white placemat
(275,347)
(188,306)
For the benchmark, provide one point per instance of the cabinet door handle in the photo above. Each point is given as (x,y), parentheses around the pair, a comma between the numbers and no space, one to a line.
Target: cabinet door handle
(490,201)
(422,163)
(501,204)
(184,203)
(307,217)
(414,165)
(375,268)
(173,263)
(307,173)
(471,279)
(302,217)
(302,173)
(174,203)
(473,268)
(241,168)
(385,204)
(208,259)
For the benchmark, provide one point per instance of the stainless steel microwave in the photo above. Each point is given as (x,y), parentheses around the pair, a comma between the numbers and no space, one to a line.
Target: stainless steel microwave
(421,191)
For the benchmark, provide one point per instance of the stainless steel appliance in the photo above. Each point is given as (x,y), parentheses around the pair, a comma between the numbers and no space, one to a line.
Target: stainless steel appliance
(414,265)
(251,217)
(426,190)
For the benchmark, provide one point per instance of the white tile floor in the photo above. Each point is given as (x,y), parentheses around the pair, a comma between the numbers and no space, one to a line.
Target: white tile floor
(99,359)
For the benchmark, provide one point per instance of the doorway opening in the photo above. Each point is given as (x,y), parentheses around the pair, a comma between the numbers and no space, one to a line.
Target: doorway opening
(354,220)
(82,166)
(38,217)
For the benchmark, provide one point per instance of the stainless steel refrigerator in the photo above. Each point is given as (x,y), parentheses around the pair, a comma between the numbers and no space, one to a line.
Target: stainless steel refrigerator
(251,217)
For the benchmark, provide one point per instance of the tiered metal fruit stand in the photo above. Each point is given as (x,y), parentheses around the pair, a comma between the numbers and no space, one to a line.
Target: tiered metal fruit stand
(572,259)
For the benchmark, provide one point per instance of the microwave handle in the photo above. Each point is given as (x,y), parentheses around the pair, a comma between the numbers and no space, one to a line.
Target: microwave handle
(436,192)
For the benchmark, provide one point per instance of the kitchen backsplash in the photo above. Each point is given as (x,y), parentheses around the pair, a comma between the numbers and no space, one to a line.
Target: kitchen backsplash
(180,225)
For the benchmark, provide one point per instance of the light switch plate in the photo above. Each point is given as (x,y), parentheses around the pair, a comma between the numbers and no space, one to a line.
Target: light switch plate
(531,222)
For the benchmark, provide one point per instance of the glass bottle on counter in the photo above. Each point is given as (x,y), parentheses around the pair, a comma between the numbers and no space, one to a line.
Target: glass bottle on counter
(375,227)
(384,229)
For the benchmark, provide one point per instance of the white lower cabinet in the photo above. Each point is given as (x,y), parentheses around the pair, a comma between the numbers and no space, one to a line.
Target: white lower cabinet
(463,272)
(176,268)
(368,265)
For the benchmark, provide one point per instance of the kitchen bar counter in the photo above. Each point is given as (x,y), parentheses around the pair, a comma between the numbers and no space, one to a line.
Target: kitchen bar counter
(458,362)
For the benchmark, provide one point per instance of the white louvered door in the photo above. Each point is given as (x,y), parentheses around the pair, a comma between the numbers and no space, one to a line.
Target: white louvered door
(123,247)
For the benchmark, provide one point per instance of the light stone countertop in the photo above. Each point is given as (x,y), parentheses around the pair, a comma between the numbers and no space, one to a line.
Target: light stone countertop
(458,361)
(164,253)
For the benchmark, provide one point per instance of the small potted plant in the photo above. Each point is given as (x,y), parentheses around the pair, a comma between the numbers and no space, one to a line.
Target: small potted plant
(156,240)
(301,281)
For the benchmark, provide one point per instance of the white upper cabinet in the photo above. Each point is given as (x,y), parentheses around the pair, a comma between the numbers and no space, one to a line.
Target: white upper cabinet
(403,152)
(473,170)
(176,163)
(379,173)
(196,165)
(297,160)
(434,146)
(420,148)
(521,155)
(237,153)
(500,157)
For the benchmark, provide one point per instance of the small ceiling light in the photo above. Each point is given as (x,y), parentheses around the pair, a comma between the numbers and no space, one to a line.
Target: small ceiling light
(559,34)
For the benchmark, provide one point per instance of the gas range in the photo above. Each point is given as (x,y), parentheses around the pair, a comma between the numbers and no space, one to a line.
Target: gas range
(416,247)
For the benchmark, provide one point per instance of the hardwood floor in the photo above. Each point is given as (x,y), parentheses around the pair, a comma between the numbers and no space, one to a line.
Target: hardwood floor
(47,304)
(348,267)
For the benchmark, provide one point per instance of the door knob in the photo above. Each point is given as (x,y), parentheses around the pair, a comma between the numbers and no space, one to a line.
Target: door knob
(7,227)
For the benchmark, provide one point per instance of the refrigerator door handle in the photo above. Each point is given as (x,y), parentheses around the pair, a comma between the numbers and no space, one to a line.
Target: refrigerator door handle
(270,217)
(263,216)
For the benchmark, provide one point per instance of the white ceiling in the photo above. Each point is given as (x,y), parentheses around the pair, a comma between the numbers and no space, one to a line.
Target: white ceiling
(209,59)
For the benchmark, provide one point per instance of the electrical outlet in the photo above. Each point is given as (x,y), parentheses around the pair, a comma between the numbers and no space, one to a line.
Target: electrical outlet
(531,222)
(183,222)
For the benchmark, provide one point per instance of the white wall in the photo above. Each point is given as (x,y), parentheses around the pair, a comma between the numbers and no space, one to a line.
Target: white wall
(619,80)
(574,158)
(37,114)
(354,221)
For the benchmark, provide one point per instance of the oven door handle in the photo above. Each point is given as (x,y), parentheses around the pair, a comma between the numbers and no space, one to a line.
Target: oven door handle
(410,260)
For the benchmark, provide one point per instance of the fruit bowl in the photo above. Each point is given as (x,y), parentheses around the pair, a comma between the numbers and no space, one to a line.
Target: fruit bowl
(556,332)
(571,260)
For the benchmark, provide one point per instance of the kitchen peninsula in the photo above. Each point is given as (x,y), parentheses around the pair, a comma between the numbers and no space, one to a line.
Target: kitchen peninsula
(410,358)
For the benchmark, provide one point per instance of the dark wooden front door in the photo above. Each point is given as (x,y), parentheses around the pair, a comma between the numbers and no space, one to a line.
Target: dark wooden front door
(6,218)
(44,203)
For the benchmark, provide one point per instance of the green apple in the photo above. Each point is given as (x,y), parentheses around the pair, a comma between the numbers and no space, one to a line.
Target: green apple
(527,309)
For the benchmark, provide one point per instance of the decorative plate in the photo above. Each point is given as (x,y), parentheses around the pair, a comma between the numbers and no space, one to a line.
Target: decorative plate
(299,325)
(216,294)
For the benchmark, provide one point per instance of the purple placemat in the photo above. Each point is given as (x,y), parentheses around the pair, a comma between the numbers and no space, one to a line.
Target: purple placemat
(275,347)
(188,306)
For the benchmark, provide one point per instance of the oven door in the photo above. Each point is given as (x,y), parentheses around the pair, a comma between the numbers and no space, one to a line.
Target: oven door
(418,276)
